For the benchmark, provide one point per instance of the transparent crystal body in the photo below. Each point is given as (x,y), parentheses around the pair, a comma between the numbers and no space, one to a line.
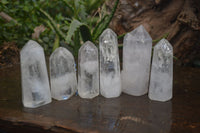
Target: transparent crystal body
(88,71)
(110,79)
(35,82)
(62,74)
(137,49)
(160,88)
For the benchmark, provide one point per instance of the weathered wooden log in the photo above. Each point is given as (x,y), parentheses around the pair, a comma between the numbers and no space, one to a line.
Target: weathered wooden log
(180,19)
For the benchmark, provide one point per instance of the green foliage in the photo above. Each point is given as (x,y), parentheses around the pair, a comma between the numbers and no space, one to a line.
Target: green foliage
(68,23)
(92,5)
(85,33)
(21,28)
(78,27)
(54,25)
(106,22)
(56,43)
(75,24)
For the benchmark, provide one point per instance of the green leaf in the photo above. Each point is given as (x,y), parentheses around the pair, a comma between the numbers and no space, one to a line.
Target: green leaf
(104,25)
(50,25)
(26,8)
(121,36)
(77,44)
(68,5)
(34,18)
(80,10)
(65,28)
(56,42)
(46,39)
(75,24)
(60,33)
(10,24)
(85,33)
(93,4)
(98,25)
(4,2)
(175,57)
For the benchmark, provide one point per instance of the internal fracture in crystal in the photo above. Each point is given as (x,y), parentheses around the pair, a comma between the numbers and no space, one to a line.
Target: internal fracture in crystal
(110,79)
(137,49)
(161,72)
(88,71)
(62,74)
(35,82)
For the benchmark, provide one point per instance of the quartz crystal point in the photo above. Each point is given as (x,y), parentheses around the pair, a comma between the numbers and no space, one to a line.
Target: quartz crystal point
(62,74)
(88,71)
(110,80)
(161,72)
(136,62)
(35,82)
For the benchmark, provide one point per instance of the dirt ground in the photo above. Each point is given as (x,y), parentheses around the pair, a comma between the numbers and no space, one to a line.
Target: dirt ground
(9,54)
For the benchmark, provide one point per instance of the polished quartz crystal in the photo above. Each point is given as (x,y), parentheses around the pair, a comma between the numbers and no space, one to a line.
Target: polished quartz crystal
(137,49)
(110,79)
(88,71)
(161,72)
(62,74)
(35,82)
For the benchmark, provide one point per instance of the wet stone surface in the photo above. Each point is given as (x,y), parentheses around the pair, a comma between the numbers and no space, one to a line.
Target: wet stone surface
(122,115)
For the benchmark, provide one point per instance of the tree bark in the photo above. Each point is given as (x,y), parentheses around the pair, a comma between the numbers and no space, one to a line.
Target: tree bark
(180,19)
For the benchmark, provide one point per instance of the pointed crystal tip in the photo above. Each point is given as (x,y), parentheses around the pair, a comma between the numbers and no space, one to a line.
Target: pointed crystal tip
(64,50)
(140,33)
(30,45)
(87,45)
(108,31)
(108,37)
(164,45)
(61,51)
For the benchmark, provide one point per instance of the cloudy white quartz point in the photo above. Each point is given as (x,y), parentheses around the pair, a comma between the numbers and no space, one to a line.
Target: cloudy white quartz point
(88,71)
(35,82)
(161,80)
(110,79)
(62,74)
(137,49)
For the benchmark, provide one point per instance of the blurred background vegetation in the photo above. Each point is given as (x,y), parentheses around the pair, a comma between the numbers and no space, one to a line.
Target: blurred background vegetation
(54,23)
(69,23)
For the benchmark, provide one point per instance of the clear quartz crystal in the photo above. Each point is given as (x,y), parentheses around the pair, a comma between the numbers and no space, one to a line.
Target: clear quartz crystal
(161,72)
(137,49)
(62,74)
(88,71)
(110,80)
(35,82)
